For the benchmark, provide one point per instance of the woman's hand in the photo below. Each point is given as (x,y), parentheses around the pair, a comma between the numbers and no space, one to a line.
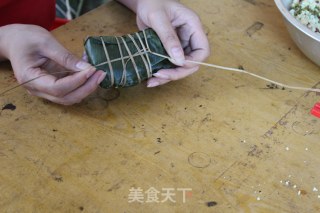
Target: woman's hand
(180,31)
(34,52)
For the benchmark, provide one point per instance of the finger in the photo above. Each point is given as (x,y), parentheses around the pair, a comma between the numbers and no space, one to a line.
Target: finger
(85,57)
(141,24)
(175,74)
(78,94)
(53,86)
(52,68)
(86,89)
(56,52)
(199,44)
(154,82)
(161,24)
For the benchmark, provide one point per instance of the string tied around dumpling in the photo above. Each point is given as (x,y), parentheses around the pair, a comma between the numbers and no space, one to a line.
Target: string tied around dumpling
(145,50)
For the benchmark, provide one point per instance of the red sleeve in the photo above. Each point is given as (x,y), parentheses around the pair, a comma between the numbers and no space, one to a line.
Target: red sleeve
(4,3)
(37,12)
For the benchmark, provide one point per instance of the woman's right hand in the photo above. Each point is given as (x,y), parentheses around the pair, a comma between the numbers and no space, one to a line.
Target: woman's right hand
(33,52)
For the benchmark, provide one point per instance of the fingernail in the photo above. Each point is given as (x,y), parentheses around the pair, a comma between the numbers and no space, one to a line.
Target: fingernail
(85,58)
(81,65)
(161,75)
(153,84)
(178,55)
(102,77)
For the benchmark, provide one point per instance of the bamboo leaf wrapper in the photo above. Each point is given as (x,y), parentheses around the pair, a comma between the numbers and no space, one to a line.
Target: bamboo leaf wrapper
(126,60)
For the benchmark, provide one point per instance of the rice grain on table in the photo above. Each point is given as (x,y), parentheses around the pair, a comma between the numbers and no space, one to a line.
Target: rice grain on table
(307,12)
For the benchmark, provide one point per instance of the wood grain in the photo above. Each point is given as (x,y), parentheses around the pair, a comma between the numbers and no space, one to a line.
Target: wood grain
(239,146)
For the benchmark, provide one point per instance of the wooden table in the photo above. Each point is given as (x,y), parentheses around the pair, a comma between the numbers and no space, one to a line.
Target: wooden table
(228,141)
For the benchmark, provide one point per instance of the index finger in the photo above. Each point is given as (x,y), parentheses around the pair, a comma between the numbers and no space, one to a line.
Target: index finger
(54,86)
(200,48)
(160,22)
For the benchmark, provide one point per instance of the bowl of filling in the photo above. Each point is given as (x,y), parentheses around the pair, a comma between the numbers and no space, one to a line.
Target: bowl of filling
(302,18)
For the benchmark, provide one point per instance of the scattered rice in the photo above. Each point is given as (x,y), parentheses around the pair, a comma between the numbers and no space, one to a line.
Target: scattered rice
(307,12)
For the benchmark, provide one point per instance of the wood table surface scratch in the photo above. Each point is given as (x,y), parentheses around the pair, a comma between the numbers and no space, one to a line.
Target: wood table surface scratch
(232,142)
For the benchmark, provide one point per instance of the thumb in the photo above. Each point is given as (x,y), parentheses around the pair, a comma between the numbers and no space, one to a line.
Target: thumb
(163,27)
(65,58)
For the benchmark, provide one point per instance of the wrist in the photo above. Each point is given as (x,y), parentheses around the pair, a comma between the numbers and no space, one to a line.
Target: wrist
(4,42)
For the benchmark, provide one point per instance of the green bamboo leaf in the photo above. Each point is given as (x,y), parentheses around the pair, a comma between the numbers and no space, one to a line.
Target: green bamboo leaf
(123,70)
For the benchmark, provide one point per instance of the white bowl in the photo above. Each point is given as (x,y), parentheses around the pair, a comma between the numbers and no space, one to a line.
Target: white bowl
(307,40)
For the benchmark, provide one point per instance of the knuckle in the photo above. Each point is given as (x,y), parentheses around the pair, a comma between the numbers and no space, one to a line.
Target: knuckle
(193,17)
(21,76)
(153,15)
(196,19)
(67,57)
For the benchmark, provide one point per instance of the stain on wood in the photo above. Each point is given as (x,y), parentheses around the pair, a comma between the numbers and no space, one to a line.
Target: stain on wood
(254,28)
(9,106)
(211,203)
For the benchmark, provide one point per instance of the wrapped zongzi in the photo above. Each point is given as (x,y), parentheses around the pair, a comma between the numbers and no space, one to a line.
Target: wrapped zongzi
(127,60)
